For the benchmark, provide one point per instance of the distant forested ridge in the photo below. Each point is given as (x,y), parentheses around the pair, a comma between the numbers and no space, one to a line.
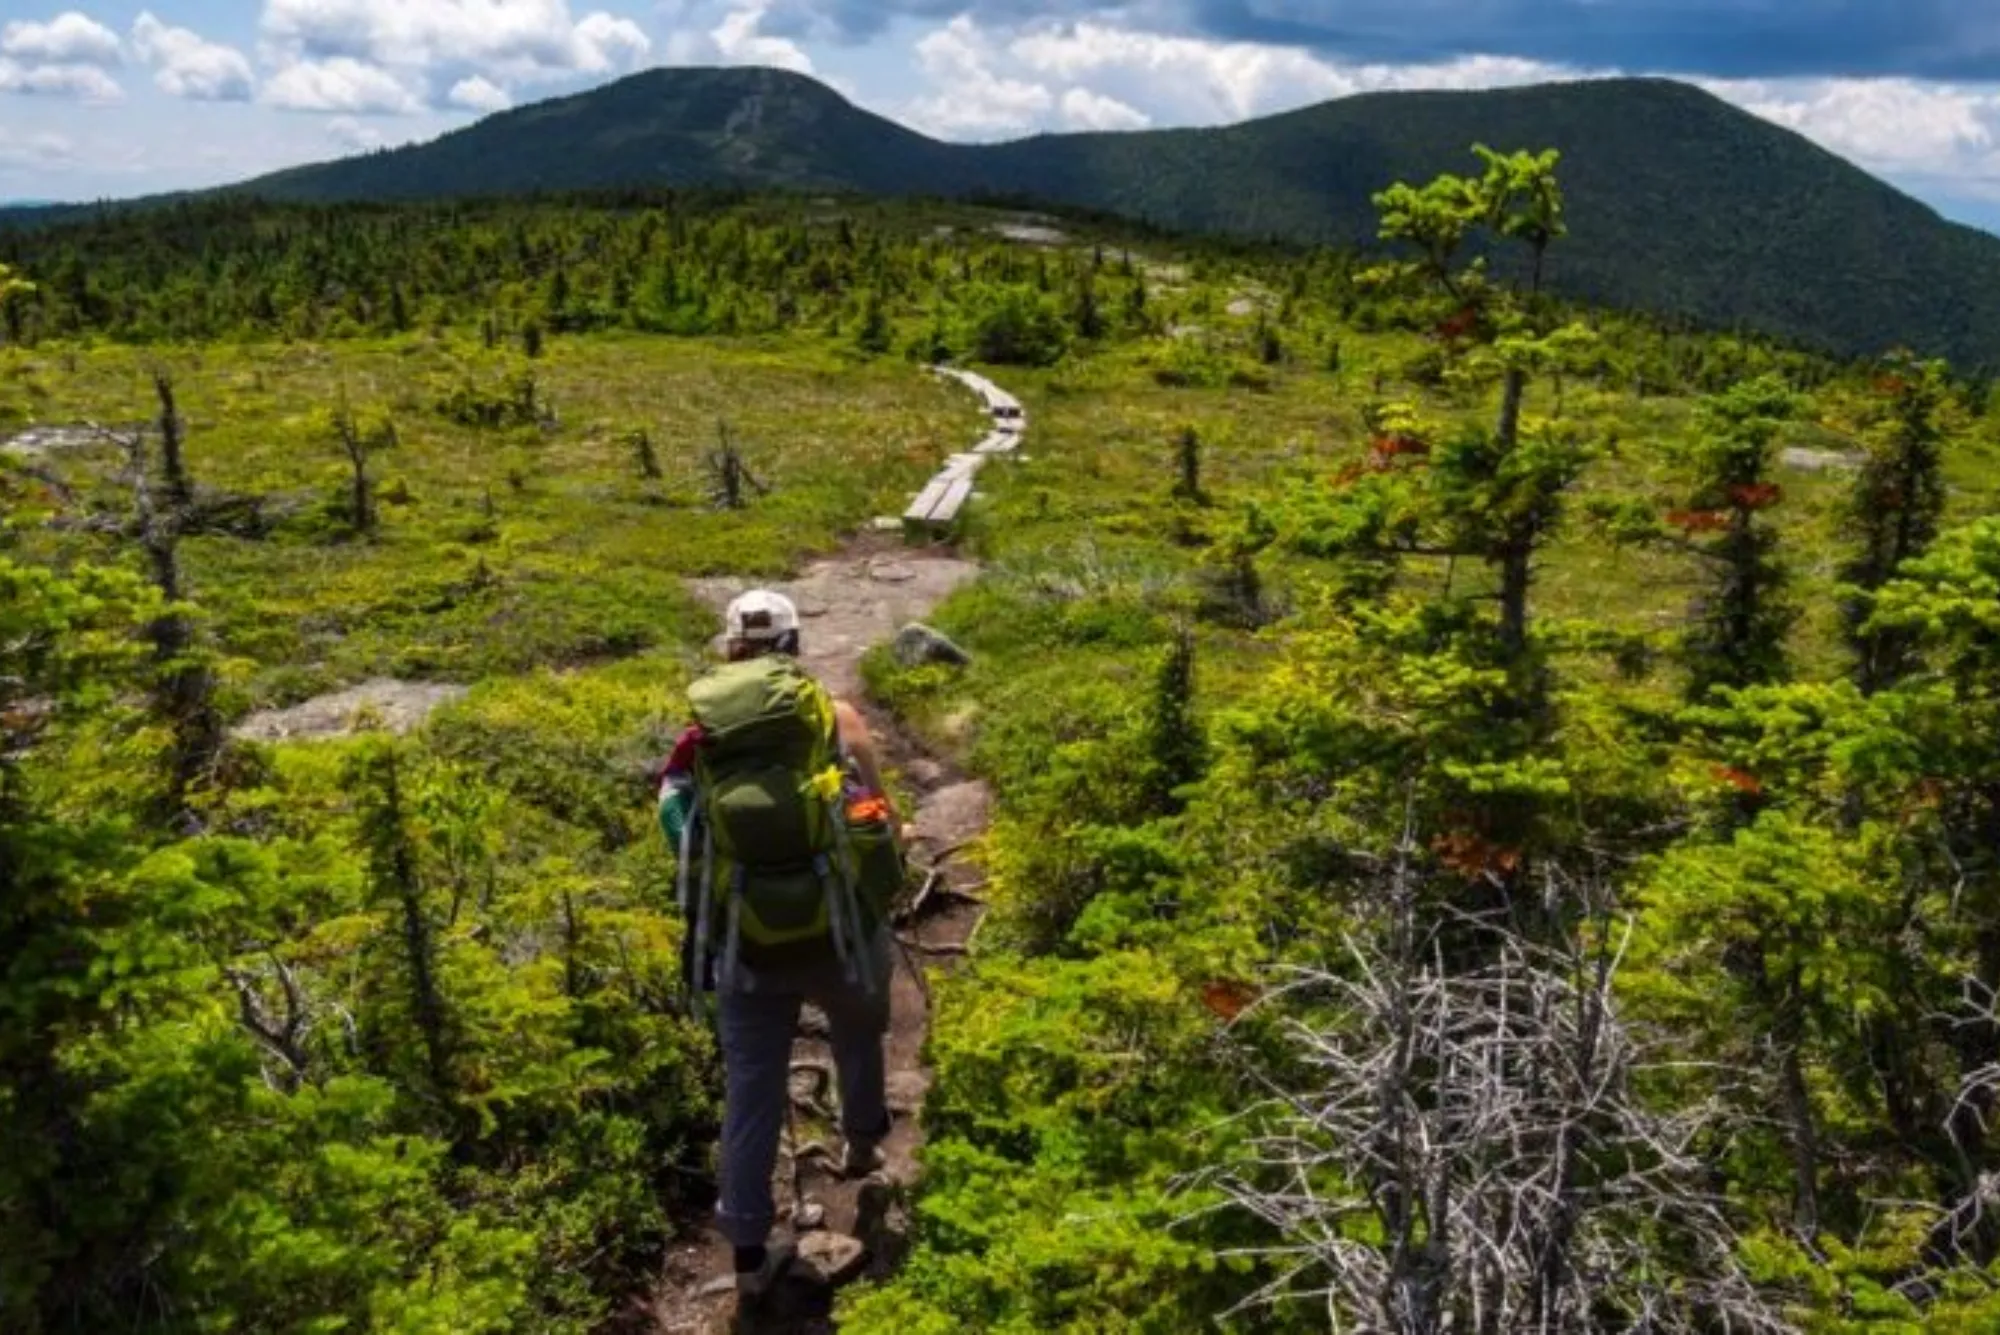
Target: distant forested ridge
(926,281)
(1680,203)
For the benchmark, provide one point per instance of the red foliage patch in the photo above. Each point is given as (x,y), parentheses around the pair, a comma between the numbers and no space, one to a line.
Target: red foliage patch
(1384,450)
(1756,495)
(1472,856)
(1400,444)
(1227,999)
(1699,521)
(1458,324)
(1891,385)
(1739,780)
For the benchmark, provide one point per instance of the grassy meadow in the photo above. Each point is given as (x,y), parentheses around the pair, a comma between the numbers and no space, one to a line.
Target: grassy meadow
(499,550)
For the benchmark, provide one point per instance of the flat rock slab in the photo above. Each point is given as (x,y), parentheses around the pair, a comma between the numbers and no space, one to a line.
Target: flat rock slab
(1821,461)
(40,440)
(383,704)
(1031,234)
(951,815)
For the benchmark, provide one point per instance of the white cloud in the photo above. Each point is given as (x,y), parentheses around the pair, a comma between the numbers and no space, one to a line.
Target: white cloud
(1094,75)
(1942,132)
(973,100)
(508,41)
(339,84)
(478,94)
(188,66)
(738,40)
(352,134)
(87,82)
(1192,81)
(604,43)
(67,39)
(1085,110)
(34,150)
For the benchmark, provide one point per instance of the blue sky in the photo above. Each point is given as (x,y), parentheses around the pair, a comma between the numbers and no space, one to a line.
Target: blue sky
(109,98)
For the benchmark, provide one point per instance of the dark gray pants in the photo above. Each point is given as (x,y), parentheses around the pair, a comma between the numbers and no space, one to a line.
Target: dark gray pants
(756,1029)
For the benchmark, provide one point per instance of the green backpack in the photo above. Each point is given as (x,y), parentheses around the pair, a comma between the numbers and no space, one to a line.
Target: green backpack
(787,875)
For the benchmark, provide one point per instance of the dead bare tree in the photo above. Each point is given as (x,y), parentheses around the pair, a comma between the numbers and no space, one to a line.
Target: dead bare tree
(1967,1225)
(359,442)
(180,487)
(649,458)
(1467,1150)
(728,474)
(279,1024)
(184,688)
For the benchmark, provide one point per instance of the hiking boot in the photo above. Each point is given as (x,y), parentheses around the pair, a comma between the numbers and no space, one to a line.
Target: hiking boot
(862,1158)
(758,1270)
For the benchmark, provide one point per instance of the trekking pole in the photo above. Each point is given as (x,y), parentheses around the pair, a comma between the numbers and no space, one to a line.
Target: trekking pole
(916,970)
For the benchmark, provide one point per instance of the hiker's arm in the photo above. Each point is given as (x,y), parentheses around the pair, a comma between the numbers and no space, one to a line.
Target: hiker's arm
(860,744)
(675,798)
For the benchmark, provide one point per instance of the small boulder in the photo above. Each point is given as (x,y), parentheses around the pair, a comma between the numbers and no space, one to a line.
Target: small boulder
(918,644)
(829,1258)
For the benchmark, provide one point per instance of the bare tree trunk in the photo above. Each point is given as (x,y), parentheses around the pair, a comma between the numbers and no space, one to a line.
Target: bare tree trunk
(360,508)
(1516,559)
(184,693)
(1802,1130)
(1516,579)
(1513,390)
(180,488)
(649,459)
(572,947)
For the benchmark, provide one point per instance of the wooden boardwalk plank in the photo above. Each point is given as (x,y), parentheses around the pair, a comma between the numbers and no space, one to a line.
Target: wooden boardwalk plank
(936,508)
(955,496)
(927,500)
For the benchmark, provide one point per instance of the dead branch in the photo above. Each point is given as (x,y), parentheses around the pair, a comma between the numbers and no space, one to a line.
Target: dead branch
(1467,1149)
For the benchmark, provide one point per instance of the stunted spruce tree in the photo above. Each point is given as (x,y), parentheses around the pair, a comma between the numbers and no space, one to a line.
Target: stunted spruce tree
(1491,495)
(1895,507)
(1742,615)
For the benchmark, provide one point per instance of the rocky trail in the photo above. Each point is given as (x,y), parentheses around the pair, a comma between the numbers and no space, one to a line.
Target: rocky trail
(852,1231)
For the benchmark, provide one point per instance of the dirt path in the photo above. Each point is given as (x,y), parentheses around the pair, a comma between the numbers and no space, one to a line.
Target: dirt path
(848,604)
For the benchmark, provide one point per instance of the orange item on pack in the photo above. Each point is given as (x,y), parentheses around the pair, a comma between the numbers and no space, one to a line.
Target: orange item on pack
(872,807)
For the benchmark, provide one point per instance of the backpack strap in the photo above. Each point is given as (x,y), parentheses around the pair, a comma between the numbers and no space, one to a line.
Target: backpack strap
(732,946)
(703,921)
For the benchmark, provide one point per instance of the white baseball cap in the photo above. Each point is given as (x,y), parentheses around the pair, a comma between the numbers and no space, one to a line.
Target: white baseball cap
(760,615)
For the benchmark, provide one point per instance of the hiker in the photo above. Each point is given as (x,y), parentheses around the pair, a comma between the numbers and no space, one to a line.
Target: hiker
(790,853)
